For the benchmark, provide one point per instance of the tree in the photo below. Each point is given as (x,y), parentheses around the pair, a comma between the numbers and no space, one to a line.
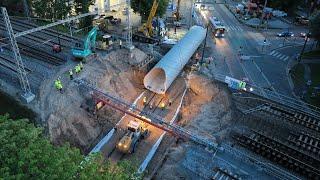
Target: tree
(289,6)
(81,7)
(13,6)
(315,25)
(26,154)
(51,9)
(143,7)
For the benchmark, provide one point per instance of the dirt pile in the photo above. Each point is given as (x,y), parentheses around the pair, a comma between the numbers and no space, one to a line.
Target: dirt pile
(206,111)
(68,118)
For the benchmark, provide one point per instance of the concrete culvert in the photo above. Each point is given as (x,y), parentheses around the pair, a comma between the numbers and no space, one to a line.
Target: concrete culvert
(168,68)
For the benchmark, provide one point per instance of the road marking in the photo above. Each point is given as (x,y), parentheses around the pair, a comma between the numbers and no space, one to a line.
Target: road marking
(285,59)
(278,56)
(282,57)
(272,52)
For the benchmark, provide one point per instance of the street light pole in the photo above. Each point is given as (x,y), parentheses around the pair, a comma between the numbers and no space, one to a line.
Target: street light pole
(205,44)
(304,46)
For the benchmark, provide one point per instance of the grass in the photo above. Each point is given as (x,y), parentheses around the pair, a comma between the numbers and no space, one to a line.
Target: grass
(312,54)
(299,81)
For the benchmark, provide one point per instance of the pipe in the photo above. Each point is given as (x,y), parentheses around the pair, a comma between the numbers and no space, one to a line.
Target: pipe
(160,77)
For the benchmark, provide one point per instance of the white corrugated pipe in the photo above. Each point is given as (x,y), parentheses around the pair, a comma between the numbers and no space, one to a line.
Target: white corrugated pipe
(168,68)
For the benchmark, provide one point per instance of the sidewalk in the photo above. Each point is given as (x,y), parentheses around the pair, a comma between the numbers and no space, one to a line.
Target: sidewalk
(255,22)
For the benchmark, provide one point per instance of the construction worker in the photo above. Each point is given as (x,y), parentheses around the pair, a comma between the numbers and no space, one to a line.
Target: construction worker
(77,69)
(81,65)
(71,74)
(58,85)
(144,100)
(162,106)
(120,43)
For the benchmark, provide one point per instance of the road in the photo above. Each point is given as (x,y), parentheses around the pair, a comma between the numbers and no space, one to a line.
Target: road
(264,66)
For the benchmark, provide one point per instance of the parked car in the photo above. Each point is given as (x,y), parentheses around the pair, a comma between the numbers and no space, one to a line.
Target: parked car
(305,34)
(285,34)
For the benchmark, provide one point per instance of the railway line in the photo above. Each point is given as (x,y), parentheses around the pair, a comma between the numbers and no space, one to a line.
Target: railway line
(267,110)
(223,174)
(306,142)
(280,153)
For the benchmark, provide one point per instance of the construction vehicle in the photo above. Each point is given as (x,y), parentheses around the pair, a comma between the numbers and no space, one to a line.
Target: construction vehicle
(176,14)
(146,28)
(89,44)
(136,131)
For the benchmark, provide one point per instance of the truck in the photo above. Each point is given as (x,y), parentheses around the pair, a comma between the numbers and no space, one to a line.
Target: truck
(136,130)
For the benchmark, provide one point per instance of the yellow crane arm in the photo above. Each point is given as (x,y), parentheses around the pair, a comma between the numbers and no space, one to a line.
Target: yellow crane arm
(151,15)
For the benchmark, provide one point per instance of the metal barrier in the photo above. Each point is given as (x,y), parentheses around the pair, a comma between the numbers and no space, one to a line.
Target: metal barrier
(298,105)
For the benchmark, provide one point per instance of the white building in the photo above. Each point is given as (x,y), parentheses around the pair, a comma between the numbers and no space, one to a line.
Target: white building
(107,5)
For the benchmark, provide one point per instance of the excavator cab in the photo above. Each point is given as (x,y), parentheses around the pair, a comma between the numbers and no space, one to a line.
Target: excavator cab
(88,47)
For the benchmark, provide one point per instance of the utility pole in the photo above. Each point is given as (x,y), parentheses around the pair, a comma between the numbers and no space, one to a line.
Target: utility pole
(205,44)
(26,9)
(304,46)
(27,95)
(129,27)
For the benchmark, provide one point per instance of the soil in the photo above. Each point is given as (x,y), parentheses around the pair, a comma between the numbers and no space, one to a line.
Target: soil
(207,110)
(67,116)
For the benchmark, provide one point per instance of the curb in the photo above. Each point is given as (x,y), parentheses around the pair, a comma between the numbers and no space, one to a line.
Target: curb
(243,22)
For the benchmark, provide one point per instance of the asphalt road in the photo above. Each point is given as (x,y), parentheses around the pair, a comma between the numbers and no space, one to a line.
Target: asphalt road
(264,66)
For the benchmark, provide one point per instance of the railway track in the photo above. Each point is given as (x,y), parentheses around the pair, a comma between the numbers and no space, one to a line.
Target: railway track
(305,142)
(293,116)
(38,54)
(11,62)
(223,174)
(280,153)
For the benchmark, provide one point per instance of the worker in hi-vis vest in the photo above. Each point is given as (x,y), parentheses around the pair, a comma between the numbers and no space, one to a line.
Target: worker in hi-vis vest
(71,74)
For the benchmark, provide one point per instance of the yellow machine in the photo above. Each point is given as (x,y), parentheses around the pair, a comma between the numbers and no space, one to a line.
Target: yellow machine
(147,27)
(136,130)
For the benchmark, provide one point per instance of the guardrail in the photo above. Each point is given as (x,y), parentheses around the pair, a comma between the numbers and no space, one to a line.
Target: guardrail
(298,105)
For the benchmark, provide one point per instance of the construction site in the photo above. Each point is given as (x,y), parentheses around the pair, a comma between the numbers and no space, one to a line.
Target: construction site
(135,95)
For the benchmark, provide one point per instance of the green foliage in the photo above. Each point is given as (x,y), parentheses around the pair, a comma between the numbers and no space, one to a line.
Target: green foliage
(51,9)
(81,7)
(315,25)
(14,7)
(26,154)
(289,6)
(143,7)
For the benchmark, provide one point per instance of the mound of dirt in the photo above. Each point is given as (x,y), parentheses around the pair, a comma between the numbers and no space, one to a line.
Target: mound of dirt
(68,116)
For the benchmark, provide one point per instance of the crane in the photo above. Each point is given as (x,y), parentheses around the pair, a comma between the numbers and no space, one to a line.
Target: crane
(147,27)
(89,43)
(177,13)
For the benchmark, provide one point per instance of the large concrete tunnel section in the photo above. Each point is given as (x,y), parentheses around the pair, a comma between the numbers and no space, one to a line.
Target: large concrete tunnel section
(168,68)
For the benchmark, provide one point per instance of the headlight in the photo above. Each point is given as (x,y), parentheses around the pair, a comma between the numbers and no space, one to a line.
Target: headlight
(216,34)
(245,89)
(222,35)
(251,89)
(125,146)
(119,144)
(292,34)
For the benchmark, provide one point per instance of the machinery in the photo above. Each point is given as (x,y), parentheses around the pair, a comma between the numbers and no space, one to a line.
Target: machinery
(147,27)
(177,13)
(136,130)
(89,43)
